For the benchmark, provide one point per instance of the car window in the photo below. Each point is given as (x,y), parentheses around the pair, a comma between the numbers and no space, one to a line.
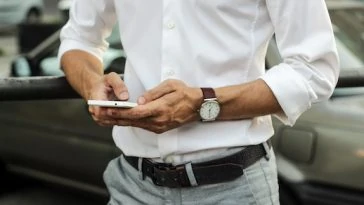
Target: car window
(50,65)
(351,61)
(348,26)
(114,38)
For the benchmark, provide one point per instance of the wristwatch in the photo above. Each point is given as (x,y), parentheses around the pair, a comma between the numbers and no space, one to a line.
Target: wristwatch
(210,107)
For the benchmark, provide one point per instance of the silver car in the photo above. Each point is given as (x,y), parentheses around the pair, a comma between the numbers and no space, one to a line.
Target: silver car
(321,158)
(14,12)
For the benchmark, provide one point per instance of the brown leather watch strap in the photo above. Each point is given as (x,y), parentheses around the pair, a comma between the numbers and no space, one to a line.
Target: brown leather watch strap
(208,93)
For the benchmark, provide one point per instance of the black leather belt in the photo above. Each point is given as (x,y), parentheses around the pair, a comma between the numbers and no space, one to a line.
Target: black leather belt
(210,172)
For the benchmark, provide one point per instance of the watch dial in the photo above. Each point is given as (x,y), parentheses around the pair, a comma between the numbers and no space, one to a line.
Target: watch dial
(209,110)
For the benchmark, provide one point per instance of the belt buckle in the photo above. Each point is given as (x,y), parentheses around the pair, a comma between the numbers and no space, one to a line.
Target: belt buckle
(168,175)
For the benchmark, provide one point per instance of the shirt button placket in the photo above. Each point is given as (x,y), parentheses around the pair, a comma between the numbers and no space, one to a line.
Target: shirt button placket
(168,71)
(168,142)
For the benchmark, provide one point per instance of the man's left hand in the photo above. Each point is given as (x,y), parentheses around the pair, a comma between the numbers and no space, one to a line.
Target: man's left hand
(169,105)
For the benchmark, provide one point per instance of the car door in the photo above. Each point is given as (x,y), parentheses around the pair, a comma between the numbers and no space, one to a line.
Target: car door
(56,139)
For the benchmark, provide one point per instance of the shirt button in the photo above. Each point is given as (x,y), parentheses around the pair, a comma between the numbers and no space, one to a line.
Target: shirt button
(171,25)
(170,73)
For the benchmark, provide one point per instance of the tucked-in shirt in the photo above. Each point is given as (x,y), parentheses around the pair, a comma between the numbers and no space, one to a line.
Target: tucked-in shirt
(211,43)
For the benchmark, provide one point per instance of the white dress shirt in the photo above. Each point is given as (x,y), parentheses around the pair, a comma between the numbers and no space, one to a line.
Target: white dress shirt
(211,43)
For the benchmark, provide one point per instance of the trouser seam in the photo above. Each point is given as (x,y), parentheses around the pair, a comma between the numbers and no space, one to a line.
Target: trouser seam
(267,181)
(249,185)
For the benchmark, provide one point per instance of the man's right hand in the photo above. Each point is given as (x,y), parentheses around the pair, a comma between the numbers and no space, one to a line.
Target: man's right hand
(108,87)
(85,73)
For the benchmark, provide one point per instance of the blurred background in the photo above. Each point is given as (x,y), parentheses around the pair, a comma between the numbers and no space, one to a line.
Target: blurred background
(51,151)
(16,12)
(24,25)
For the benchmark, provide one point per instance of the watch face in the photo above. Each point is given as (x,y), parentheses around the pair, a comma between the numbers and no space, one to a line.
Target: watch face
(209,110)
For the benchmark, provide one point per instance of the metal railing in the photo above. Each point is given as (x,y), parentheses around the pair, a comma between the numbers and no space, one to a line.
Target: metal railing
(48,88)
(36,88)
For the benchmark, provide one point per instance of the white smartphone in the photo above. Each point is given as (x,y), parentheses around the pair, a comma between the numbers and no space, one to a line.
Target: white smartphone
(110,103)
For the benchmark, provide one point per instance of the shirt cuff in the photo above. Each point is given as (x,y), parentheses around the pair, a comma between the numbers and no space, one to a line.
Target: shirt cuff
(70,44)
(291,91)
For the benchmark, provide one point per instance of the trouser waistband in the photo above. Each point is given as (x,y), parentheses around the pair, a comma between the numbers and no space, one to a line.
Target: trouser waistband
(193,174)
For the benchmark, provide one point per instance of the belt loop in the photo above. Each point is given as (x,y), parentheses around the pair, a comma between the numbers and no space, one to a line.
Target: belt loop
(190,174)
(140,168)
(267,150)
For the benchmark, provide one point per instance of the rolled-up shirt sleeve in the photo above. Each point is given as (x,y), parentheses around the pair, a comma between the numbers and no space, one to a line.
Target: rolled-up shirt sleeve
(90,23)
(310,67)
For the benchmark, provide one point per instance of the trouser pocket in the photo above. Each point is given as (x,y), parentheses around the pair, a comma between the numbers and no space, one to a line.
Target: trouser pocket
(263,181)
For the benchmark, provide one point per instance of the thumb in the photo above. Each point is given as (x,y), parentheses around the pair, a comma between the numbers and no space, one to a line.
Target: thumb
(118,86)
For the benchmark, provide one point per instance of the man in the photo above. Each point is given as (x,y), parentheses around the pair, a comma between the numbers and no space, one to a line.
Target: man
(200,133)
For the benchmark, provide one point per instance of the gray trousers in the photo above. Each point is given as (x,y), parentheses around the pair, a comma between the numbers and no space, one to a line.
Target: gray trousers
(258,186)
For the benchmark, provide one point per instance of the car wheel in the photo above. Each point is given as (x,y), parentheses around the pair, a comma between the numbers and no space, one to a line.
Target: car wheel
(33,16)
(20,67)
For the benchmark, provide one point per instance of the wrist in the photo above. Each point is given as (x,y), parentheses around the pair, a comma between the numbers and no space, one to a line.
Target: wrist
(90,84)
(198,99)
(82,70)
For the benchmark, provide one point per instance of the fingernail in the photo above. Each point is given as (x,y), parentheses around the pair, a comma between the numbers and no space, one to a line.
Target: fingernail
(141,100)
(124,95)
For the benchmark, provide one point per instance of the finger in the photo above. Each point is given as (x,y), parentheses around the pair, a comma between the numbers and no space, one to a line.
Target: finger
(98,112)
(153,127)
(115,81)
(136,113)
(104,122)
(140,124)
(162,89)
(107,123)
(100,117)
